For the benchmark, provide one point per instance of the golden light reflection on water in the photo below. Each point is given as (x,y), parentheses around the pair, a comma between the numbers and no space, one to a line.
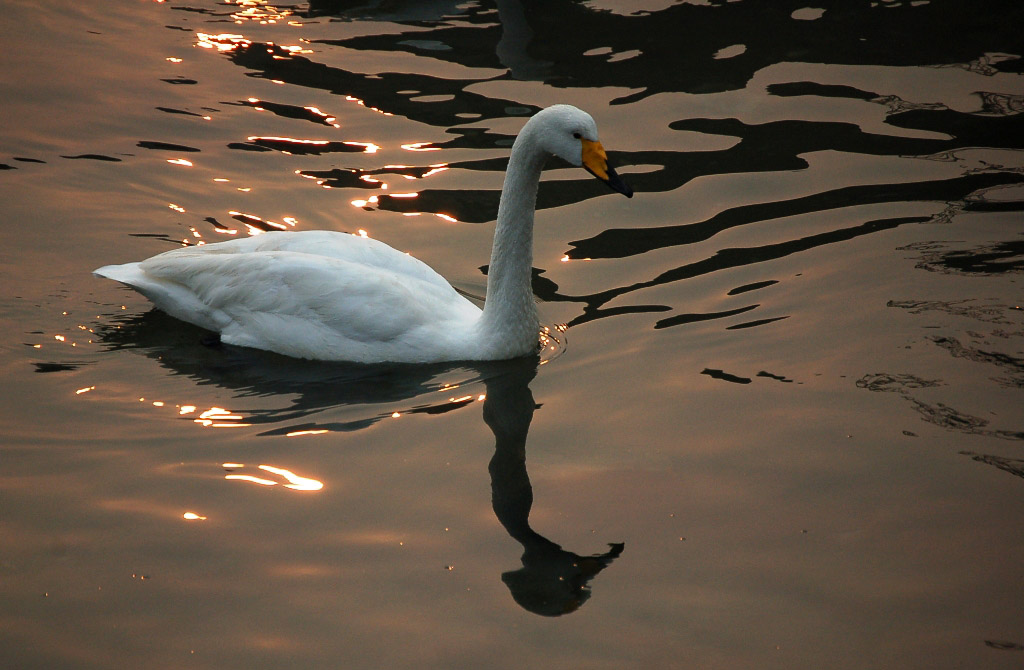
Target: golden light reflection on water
(370,180)
(259,11)
(445,217)
(368,147)
(218,417)
(326,117)
(212,417)
(251,480)
(359,202)
(295,481)
(421,146)
(256,225)
(435,169)
(552,345)
(362,103)
(298,433)
(289,140)
(374,200)
(291,480)
(222,42)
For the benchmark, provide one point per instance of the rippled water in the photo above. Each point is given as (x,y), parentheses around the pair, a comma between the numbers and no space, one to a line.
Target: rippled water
(779,422)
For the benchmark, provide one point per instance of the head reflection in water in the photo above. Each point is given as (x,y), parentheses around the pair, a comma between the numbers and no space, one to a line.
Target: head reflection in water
(552,581)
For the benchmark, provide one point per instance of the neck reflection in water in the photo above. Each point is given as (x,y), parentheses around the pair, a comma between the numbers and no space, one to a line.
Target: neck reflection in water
(552,581)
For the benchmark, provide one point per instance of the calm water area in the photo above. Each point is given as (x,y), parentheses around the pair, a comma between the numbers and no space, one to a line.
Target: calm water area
(778,422)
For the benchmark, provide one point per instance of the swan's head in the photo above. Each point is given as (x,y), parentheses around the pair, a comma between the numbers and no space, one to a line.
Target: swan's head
(571,134)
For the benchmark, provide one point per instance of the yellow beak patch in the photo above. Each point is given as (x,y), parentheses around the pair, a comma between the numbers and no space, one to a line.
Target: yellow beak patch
(595,159)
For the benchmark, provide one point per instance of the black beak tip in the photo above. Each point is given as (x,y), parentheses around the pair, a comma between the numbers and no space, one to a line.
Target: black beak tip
(615,182)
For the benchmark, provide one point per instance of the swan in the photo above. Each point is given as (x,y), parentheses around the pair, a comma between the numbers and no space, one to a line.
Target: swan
(335,296)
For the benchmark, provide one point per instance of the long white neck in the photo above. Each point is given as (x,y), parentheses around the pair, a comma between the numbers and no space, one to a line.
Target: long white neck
(509,318)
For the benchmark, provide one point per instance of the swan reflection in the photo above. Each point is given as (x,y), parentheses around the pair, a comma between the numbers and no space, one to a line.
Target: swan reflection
(551,580)
(293,393)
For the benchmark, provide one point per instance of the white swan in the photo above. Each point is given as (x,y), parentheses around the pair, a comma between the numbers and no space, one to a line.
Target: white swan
(336,296)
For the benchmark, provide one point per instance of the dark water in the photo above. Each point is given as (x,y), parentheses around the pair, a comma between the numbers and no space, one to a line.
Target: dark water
(779,423)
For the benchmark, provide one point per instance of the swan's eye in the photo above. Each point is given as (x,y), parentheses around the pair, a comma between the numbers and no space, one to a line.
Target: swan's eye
(577,136)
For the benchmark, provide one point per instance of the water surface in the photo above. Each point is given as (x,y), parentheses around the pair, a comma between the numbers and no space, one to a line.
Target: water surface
(778,423)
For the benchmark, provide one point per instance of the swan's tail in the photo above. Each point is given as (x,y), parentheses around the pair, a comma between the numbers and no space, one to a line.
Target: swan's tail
(173,298)
(129,273)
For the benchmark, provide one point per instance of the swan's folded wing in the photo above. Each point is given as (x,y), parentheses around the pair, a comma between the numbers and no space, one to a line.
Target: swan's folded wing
(303,305)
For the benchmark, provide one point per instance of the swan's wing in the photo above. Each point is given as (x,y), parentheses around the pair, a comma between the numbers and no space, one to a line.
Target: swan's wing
(310,295)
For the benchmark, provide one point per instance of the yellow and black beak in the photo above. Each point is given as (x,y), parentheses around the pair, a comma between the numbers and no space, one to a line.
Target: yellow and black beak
(595,160)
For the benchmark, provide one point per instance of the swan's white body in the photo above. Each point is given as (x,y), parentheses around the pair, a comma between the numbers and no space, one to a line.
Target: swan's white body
(335,296)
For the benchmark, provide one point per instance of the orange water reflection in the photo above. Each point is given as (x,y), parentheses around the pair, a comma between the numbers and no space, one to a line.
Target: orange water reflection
(362,103)
(222,42)
(326,117)
(256,225)
(259,11)
(420,146)
(372,178)
(291,480)
(368,147)
(395,203)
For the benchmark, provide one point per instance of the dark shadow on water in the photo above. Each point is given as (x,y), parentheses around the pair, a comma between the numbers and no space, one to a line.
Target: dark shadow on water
(620,243)
(1014,466)
(991,259)
(721,260)
(937,413)
(602,49)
